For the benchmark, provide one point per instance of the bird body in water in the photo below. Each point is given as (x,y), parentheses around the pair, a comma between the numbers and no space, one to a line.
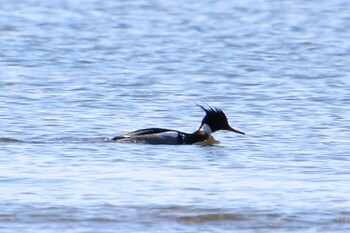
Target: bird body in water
(214,120)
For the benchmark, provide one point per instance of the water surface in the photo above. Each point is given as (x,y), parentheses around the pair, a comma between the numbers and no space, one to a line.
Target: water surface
(76,73)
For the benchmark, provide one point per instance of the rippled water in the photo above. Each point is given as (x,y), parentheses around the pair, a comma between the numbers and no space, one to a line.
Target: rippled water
(74,73)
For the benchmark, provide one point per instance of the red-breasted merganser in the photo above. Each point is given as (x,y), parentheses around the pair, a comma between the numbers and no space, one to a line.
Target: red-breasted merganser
(214,120)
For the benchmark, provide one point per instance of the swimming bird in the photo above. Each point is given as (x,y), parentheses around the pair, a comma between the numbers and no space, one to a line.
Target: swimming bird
(214,120)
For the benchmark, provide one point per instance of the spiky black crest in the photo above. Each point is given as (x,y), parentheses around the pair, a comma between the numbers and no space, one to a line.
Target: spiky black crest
(211,110)
(215,118)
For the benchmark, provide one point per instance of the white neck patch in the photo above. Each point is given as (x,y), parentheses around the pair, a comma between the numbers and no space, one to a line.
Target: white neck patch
(206,128)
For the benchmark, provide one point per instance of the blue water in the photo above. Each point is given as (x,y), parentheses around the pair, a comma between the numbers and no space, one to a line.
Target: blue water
(75,73)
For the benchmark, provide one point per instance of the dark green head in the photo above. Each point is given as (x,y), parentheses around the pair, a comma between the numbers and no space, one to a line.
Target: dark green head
(216,119)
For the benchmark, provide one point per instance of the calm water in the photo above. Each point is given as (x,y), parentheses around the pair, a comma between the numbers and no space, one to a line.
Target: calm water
(74,73)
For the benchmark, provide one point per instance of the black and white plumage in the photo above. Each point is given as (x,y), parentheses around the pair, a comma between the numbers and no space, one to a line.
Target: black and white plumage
(214,120)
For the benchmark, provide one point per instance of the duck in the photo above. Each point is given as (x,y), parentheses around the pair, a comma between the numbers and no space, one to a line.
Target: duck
(214,120)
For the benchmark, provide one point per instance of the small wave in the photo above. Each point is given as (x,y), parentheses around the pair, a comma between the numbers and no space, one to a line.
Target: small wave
(184,216)
(76,140)
(64,140)
(215,217)
(11,140)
